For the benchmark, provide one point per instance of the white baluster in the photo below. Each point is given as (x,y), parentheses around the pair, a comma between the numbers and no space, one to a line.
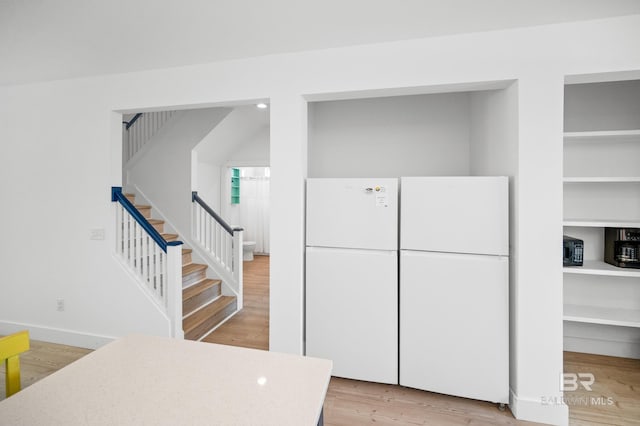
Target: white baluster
(156,266)
(163,274)
(144,270)
(225,250)
(196,223)
(130,238)
(237,265)
(202,236)
(207,232)
(219,246)
(139,249)
(230,252)
(154,125)
(214,237)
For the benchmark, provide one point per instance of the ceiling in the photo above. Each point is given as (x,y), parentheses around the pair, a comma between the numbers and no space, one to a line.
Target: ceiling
(54,39)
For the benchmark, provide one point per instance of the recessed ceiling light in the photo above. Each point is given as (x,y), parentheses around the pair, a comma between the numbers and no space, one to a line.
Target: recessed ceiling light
(261,105)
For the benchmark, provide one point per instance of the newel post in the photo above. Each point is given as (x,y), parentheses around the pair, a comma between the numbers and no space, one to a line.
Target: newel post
(237,262)
(174,288)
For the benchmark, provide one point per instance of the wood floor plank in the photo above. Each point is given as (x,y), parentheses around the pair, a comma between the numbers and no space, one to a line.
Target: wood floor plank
(614,398)
(41,360)
(249,328)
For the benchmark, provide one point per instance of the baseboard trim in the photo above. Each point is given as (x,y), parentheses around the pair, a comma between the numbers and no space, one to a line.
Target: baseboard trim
(550,410)
(57,335)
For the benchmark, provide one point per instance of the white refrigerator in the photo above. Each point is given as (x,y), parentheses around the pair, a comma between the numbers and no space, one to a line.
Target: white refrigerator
(351,297)
(454,286)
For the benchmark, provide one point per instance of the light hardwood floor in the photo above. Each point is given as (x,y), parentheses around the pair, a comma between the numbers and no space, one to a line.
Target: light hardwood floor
(249,328)
(41,360)
(352,402)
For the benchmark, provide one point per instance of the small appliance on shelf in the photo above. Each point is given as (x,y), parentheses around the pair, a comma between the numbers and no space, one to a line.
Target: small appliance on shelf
(573,251)
(622,247)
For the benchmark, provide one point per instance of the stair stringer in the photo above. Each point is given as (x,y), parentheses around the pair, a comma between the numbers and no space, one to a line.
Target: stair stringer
(142,289)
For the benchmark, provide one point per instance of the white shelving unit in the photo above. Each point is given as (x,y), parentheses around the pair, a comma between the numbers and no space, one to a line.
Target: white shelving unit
(605,316)
(598,267)
(610,135)
(601,179)
(601,223)
(601,189)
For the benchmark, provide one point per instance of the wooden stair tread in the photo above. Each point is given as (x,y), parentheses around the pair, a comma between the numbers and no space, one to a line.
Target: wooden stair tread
(155,221)
(169,237)
(141,206)
(197,288)
(194,320)
(186,251)
(192,267)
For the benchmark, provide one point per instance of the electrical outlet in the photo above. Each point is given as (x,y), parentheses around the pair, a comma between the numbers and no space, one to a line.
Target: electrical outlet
(60,303)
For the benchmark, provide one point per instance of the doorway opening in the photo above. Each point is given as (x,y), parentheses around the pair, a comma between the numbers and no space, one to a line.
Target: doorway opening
(177,153)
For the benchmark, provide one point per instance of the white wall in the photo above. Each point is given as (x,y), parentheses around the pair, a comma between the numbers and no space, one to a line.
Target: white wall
(241,139)
(163,175)
(208,183)
(252,152)
(55,189)
(390,137)
(68,168)
(602,106)
(493,133)
(494,151)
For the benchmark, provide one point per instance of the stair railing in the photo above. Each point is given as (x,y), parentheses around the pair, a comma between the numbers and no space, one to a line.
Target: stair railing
(221,242)
(140,129)
(155,263)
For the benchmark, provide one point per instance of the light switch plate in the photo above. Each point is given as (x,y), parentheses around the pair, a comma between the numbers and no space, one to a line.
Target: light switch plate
(96,234)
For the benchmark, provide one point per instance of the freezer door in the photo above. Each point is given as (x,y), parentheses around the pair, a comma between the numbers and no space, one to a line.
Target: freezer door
(454,324)
(455,214)
(352,213)
(352,312)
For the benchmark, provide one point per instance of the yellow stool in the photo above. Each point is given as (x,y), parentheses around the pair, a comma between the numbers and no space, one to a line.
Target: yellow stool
(10,349)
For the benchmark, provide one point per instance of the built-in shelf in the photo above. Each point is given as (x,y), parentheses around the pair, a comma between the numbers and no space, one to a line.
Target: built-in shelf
(607,135)
(604,316)
(235,186)
(601,179)
(601,189)
(602,223)
(598,267)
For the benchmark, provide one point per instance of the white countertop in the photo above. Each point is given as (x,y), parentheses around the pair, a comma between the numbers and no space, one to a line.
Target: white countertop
(143,380)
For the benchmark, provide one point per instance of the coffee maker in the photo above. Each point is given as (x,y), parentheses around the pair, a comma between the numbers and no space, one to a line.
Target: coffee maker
(622,247)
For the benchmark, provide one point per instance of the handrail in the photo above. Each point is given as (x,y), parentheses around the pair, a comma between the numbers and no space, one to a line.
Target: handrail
(133,120)
(117,195)
(225,225)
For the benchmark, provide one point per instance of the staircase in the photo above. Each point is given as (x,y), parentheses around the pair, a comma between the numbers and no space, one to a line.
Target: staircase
(203,305)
